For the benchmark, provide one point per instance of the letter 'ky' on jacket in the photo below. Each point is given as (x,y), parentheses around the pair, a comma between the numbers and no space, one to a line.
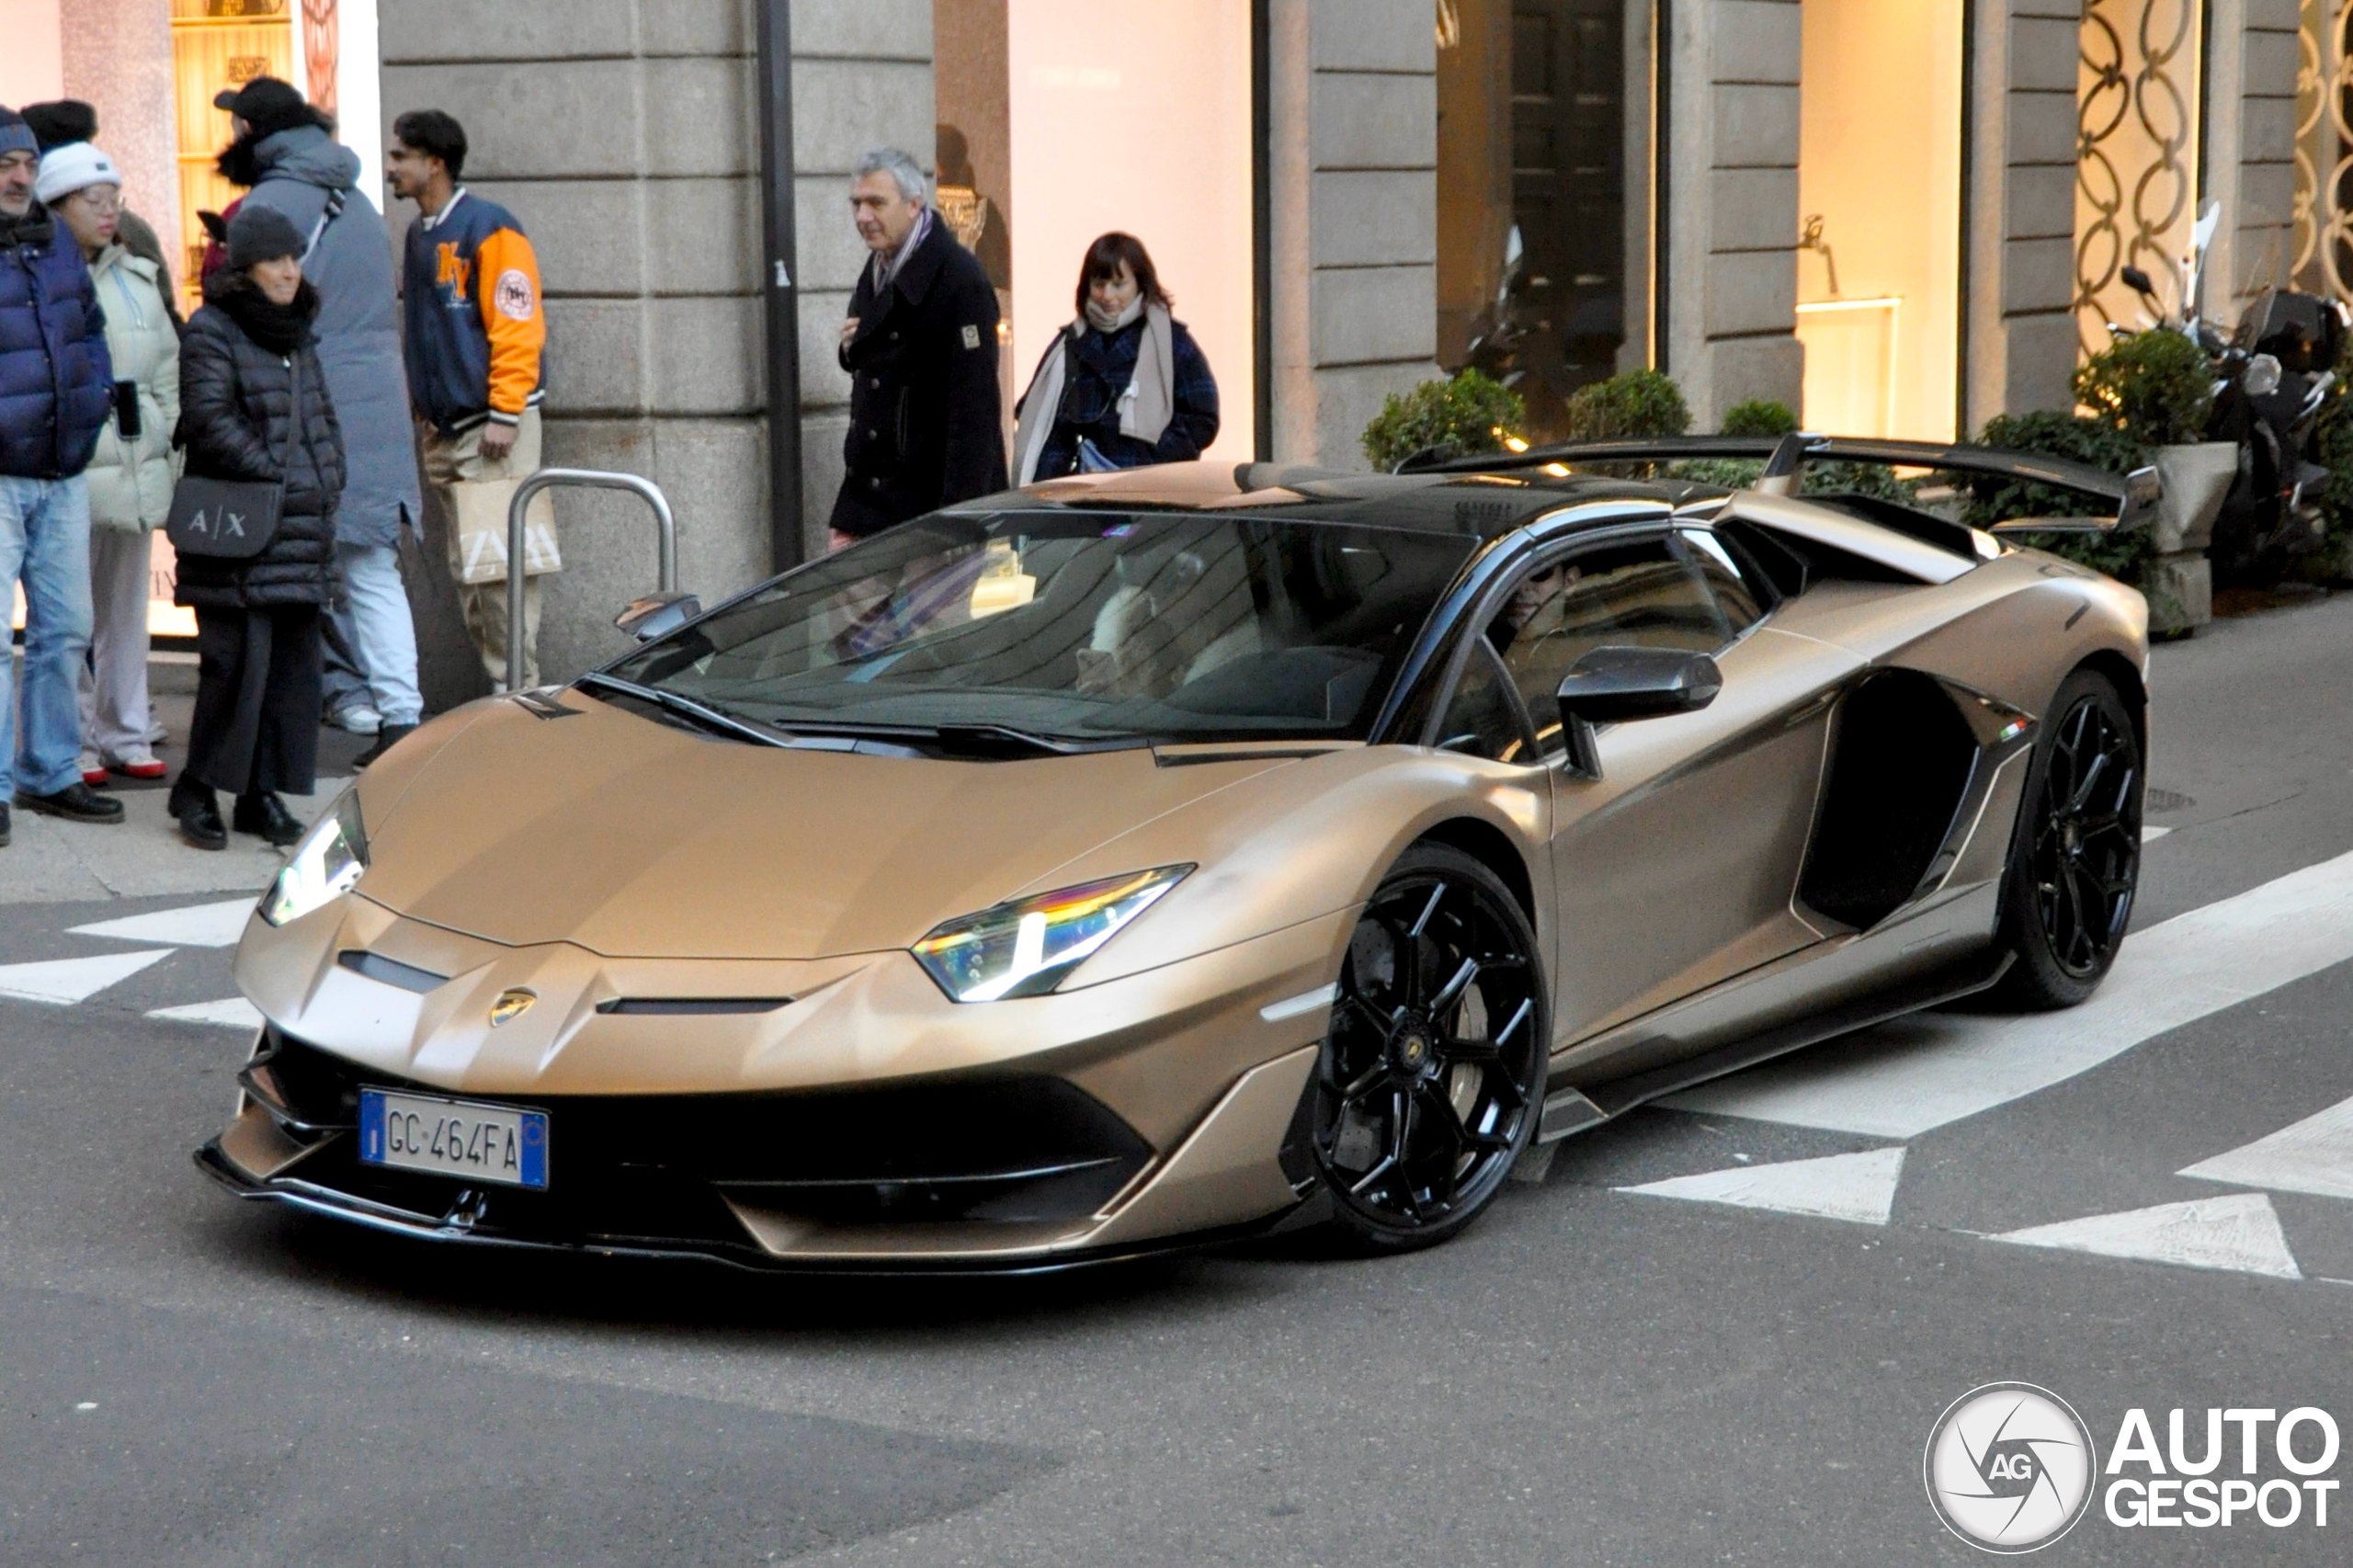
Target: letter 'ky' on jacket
(56,382)
(476,328)
(925,414)
(242,407)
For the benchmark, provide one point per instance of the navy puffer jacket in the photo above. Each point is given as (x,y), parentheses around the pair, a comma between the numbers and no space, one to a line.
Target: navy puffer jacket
(56,383)
(255,412)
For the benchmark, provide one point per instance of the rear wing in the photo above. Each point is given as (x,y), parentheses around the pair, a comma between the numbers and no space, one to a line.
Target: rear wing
(2124,503)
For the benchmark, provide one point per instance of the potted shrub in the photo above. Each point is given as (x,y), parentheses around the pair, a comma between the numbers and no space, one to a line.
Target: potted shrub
(2178,601)
(1627,406)
(1467,414)
(2158,387)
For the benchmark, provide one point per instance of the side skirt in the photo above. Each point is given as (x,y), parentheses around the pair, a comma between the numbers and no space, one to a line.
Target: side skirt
(1574,1110)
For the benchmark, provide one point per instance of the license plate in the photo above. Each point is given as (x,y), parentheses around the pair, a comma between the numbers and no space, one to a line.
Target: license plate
(455,1138)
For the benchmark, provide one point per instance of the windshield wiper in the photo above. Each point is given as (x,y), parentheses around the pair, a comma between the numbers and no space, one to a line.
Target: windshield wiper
(1003,741)
(694,712)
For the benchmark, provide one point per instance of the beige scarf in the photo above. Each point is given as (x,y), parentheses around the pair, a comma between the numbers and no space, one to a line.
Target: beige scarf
(1145,407)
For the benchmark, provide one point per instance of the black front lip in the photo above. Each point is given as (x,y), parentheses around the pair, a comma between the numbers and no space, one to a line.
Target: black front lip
(315,1199)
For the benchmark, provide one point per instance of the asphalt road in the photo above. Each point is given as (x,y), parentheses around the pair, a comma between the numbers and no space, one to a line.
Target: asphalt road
(1590,1376)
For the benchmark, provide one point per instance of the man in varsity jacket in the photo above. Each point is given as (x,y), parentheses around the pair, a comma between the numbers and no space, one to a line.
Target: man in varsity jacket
(474,340)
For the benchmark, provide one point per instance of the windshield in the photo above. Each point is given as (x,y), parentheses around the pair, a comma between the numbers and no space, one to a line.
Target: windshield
(1108,628)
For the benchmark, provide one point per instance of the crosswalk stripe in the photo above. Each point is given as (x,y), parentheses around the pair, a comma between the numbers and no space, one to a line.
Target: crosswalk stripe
(2240,1233)
(1857,1188)
(2313,1156)
(1904,1079)
(64,981)
(233,1012)
(196,925)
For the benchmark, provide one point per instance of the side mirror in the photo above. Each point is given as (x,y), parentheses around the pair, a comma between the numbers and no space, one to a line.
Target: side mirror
(1612,684)
(657,614)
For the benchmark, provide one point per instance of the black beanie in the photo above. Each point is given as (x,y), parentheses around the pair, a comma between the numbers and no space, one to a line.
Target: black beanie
(261,234)
(61,121)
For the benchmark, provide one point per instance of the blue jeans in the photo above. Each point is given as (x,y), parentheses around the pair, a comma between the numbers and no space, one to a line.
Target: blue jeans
(376,617)
(45,540)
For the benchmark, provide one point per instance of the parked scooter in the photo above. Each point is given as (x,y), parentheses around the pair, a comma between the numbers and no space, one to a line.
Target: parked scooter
(2275,372)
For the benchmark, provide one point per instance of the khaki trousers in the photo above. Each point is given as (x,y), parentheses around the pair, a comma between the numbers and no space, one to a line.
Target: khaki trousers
(451,461)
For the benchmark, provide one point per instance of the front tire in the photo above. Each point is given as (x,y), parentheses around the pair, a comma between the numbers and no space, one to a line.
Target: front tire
(1431,1080)
(2075,861)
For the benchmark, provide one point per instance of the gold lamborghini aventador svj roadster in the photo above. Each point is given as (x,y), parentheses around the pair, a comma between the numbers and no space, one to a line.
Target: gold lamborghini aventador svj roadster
(1158,856)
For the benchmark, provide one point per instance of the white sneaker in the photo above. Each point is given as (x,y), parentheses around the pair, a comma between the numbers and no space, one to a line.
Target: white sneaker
(357,719)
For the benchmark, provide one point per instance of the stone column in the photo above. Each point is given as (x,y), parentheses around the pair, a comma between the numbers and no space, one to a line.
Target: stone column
(2022,209)
(2250,98)
(118,57)
(1732,226)
(1353,220)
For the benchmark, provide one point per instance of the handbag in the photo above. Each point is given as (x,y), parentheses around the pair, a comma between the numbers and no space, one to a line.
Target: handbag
(232,519)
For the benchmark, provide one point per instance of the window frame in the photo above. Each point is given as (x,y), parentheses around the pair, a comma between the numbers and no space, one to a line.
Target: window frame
(1470,630)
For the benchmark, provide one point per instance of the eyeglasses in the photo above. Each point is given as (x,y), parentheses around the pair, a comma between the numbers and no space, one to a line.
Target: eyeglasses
(99,198)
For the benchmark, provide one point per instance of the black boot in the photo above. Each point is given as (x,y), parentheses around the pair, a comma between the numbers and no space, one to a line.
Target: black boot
(387,738)
(4,824)
(199,814)
(76,802)
(265,814)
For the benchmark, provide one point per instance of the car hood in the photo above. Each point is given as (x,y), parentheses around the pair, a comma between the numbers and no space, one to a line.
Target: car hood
(632,838)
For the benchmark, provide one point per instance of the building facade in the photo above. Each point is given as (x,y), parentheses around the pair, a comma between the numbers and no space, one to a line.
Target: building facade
(1899,219)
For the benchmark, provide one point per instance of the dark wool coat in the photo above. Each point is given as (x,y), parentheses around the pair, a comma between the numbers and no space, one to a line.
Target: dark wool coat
(242,409)
(925,418)
(56,383)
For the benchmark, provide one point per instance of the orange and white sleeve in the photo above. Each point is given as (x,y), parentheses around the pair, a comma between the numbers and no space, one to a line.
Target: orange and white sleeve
(515,319)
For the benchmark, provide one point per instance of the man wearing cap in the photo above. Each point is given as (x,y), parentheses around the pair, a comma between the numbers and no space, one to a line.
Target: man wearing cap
(56,384)
(285,154)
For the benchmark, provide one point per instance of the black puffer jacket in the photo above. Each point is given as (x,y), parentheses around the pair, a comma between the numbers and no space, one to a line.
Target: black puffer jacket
(252,393)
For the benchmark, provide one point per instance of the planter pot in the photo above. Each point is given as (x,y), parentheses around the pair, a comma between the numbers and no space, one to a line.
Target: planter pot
(2197,477)
(2181,591)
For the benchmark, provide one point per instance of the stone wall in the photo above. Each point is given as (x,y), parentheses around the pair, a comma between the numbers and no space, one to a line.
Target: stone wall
(1732,227)
(2252,52)
(621,133)
(1353,202)
(2022,208)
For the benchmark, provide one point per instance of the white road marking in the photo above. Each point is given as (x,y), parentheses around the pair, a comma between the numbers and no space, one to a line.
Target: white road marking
(64,981)
(233,1013)
(2313,1156)
(1857,1188)
(196,925)
(2150,833)
(1903,1079)
(2240,1232)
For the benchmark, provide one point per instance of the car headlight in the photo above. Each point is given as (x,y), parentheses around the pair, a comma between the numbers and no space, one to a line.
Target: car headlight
(324,864)
(1025,947)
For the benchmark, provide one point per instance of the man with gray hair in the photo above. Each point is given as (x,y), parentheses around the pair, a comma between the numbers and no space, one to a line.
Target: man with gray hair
(926,420)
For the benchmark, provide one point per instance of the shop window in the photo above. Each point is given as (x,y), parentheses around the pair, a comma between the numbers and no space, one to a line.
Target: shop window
(1544,238)
(1879,195)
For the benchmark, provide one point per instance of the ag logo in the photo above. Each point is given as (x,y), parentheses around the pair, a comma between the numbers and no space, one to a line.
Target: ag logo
(2009,1466)
(511,1006)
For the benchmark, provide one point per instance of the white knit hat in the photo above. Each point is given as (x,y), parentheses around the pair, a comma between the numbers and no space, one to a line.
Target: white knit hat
(69,168)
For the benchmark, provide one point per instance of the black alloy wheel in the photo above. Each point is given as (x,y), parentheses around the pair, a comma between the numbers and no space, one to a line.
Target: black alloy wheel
(2076,861)
(1431,1080)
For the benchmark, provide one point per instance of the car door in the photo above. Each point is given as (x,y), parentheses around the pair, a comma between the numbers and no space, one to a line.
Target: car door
(1676,866)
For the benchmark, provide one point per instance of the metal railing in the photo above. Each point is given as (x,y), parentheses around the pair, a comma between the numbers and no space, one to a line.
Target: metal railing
(586,478)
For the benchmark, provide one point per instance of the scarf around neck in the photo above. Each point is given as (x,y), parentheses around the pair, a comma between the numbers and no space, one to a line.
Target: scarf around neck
(1107,322)
(35,227)
(1145,407)
(280,329)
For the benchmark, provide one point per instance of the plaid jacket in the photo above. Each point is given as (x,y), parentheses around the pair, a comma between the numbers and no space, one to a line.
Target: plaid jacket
(1099,371)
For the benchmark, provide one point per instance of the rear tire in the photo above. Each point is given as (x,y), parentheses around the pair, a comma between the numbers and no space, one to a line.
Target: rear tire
(2076,859)
(1432,1078)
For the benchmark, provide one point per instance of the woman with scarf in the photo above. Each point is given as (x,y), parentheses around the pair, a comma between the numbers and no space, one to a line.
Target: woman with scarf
(1124,386)
(253,405)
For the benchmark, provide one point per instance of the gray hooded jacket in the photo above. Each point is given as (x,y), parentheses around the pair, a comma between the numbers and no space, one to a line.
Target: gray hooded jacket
(358,330)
